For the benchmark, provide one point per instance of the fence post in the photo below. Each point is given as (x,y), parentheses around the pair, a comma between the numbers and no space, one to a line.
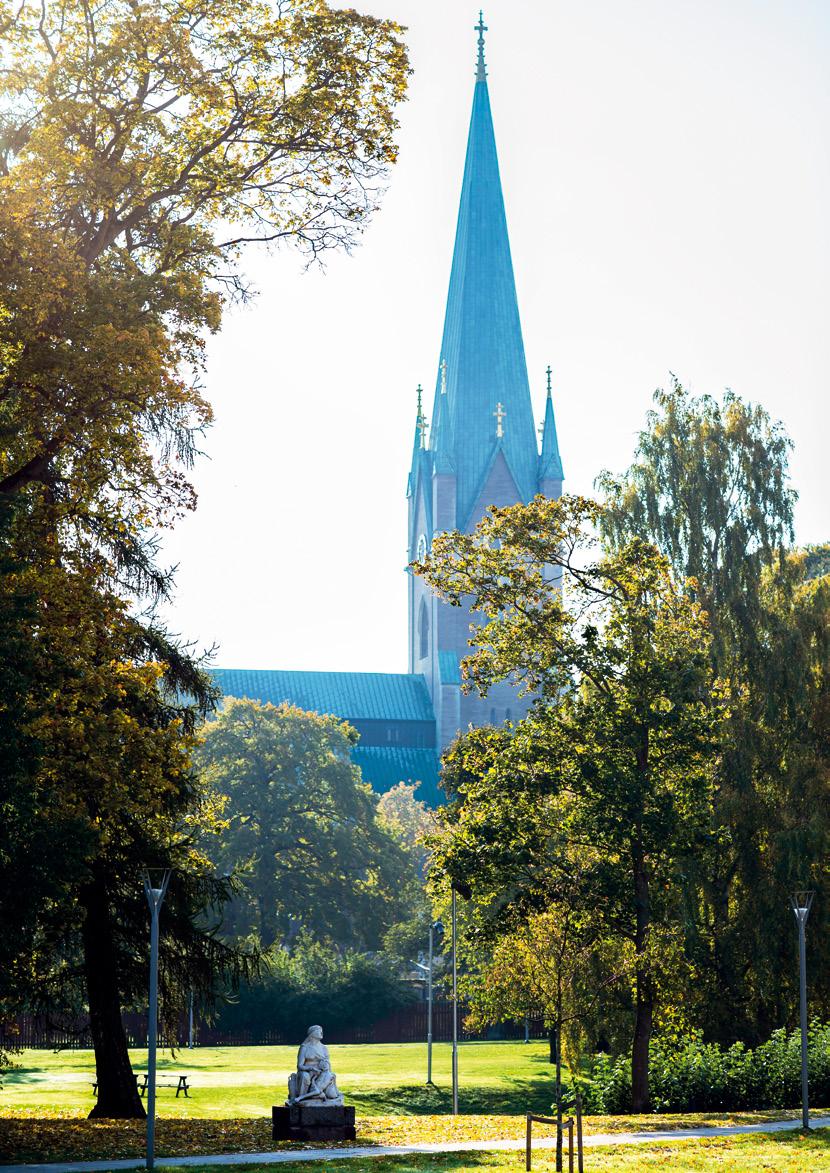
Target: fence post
(528,1131)
(579,1132)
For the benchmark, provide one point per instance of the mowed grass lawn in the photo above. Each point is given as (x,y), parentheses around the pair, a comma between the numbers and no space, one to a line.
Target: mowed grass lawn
(246,1081)
(46,1098)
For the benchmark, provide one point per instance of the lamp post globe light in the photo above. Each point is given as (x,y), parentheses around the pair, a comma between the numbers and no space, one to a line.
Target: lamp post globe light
(801,902)
(154,890)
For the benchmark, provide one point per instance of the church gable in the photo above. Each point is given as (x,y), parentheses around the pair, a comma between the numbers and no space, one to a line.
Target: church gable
(498,488)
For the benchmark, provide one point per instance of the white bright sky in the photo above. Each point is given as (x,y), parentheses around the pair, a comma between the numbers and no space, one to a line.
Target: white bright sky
(666,174)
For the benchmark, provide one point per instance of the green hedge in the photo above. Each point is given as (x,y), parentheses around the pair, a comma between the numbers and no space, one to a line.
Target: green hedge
(704,1077)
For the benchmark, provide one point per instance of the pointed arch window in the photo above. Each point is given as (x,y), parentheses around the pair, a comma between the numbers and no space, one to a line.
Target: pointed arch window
(423,630)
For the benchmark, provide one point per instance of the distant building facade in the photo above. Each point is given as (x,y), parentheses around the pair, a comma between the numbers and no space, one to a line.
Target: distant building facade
(481,450)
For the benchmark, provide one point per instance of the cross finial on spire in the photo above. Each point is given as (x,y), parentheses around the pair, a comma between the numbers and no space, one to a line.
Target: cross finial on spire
(548,372)
(443,376)
(499,413)
(481,29)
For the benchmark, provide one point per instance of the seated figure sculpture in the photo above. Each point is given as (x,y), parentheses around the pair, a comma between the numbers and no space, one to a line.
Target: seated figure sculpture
(314,1081)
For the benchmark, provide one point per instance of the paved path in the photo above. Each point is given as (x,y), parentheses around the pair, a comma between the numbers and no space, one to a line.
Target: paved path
(469,1146)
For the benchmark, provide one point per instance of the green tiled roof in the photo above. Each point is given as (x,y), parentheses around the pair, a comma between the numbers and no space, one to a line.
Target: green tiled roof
(385,766)
(368,695)
(449,668)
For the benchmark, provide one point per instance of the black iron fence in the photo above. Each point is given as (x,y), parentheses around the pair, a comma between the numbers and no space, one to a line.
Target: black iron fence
(405,1025)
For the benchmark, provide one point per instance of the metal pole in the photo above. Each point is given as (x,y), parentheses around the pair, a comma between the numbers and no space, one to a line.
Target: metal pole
(578,1106)
(151,1034)
(454,1011)
(801,903)
(190,1024)
(155,896)
(802,965)
(429,1008)
(558,1100)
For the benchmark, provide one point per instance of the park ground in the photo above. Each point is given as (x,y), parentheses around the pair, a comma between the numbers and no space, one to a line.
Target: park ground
(45,1100)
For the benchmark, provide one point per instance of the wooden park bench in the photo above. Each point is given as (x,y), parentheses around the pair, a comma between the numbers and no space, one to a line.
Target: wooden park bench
(141,1081)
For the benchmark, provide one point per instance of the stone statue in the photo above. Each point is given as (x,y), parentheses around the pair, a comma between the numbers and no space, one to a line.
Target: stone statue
(313,1082)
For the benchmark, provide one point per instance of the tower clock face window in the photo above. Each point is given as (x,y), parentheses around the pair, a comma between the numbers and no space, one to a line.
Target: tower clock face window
(422,548)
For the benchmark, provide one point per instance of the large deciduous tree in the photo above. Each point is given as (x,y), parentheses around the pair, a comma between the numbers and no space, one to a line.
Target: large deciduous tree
(610,774)
(302,829)
(709,486)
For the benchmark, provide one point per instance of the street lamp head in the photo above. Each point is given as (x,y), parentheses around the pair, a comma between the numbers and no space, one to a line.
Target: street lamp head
(155,890)
(801,902)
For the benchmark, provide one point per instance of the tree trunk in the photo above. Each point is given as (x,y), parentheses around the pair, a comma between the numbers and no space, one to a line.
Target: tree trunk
(644,1016)
(118,1097)
(644,1012)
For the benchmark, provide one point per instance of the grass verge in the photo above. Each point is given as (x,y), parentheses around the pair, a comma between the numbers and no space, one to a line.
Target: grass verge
(776,1153)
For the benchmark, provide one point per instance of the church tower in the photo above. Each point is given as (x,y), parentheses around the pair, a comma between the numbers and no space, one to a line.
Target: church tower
(482,448)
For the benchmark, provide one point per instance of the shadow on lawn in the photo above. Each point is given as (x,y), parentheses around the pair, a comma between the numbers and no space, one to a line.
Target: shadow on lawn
(818,1138)
(511,1097)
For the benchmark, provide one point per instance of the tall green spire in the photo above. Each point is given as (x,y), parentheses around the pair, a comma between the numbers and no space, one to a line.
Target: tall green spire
(482,342)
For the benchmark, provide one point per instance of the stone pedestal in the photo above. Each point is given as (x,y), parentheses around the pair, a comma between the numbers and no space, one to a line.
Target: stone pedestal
(313,1122)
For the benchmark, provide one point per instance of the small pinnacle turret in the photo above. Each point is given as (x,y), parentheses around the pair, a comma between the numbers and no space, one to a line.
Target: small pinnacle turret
(550,462)
(442,438)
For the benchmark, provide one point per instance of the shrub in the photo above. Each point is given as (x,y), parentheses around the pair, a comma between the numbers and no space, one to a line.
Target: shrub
(316,982)
(704,1077)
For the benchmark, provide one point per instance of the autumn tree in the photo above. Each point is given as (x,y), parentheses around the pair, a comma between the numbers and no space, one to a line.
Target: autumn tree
(141,148)
(302,829)
(709,485)
(612,768)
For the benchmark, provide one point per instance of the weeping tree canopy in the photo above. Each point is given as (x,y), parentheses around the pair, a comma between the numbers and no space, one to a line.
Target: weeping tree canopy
(709,485)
